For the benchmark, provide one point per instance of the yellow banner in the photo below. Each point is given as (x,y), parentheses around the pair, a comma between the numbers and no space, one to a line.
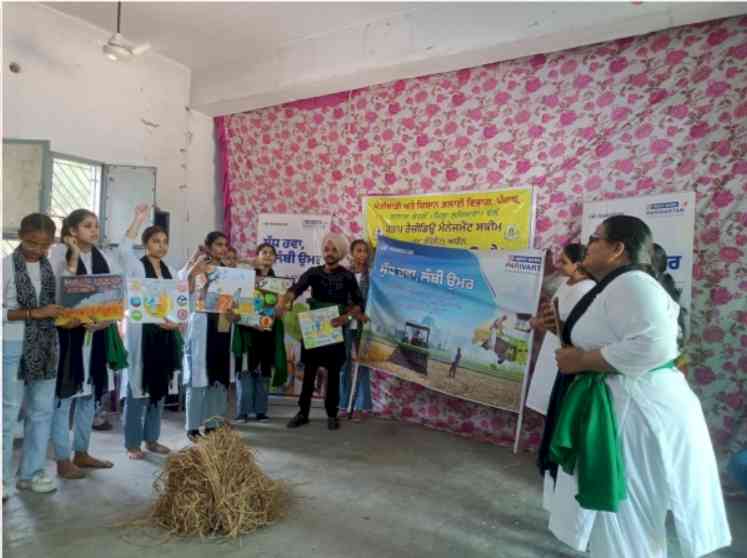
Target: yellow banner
(495,220)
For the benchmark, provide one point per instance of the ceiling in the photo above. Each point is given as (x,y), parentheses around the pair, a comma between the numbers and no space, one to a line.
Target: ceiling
(201,34)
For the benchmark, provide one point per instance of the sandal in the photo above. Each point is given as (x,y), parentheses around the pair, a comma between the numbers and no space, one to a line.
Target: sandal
(136,454)
(69,471)
(88,462)
(155,447)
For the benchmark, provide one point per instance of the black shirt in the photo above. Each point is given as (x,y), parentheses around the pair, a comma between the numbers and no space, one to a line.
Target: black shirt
(335,287)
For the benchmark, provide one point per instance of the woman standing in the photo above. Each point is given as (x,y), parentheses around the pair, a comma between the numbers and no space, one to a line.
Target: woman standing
(360,254)
(261,349)
(207,346)
(30,350)
(625,329)
(154,349)
(577,284)
(83,373)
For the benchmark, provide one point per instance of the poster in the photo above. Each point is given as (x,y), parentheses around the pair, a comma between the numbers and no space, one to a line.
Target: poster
(155,301)
(223,289)
(453,320)
(671,218)
(317,329)
(92,298)
(297,239)
(261,308)
(493,220)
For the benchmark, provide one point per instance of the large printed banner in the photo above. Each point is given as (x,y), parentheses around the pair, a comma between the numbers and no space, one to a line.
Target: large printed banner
(454,320)
(297,240)
(671,218)
(494,220)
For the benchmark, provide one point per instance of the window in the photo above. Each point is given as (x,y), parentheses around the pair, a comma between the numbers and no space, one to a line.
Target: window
(76,184)
(73,183)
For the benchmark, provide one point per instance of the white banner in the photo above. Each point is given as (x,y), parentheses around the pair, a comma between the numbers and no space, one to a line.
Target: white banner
(671,218)
(296,238)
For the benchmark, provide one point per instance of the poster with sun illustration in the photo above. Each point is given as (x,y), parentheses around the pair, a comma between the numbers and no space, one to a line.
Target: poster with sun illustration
(156,301)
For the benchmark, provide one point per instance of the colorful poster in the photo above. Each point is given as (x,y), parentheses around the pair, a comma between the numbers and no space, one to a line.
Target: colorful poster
(671,218)
(155,301)
(495,220)
(261,307)
(296,238)
(225,288)
(92,298)
(317,329)
(453,320)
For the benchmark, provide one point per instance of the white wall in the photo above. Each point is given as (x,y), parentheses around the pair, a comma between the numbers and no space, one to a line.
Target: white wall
(123,113)
(432,38)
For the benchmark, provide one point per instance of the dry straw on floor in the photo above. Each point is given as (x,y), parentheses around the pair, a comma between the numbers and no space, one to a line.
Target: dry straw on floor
(214,488)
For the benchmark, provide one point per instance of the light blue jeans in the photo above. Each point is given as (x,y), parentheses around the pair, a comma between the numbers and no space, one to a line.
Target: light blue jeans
(85,409)
(204,403)
(138,427)
(39,397)
(252,393)
(362,401)
(738,468)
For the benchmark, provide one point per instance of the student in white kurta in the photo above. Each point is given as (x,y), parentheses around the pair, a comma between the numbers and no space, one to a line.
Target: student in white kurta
(144,396)
(577,283)
(207,347)
(629,331)
(83,373)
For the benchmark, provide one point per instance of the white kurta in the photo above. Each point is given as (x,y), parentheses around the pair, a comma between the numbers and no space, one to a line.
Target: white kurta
(546,372)
(134,268)
(59,265)
(195,345)
(666,447)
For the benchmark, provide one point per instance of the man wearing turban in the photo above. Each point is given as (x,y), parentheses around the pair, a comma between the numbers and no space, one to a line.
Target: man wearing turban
(331,285)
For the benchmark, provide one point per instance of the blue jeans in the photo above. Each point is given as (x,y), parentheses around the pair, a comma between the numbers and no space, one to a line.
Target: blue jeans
(204,403)
(85,408)
(138,427)
(362,401)
(738,468)
(39,398)
(252,394)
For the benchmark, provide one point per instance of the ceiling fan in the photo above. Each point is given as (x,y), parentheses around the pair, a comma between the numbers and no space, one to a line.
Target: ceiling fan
(118,48)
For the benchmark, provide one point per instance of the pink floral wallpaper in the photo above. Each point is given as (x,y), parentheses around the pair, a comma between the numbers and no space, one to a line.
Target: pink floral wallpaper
(665,112)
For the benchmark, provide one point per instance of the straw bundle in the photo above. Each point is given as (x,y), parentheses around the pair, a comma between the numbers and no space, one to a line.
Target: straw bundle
(216,488)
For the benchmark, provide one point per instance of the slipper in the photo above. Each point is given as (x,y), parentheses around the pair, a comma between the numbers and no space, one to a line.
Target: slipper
(155,447)
(70,472)
(88,462)
(135,454)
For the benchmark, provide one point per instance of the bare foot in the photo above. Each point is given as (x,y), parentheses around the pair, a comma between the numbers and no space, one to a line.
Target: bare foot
(155,447)
(89,462)
(66,469)
(135,454)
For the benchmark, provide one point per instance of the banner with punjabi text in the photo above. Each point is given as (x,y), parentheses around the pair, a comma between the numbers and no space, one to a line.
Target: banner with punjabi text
(492,220)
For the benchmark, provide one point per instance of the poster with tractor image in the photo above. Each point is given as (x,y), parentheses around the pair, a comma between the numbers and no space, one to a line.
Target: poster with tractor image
(156,301)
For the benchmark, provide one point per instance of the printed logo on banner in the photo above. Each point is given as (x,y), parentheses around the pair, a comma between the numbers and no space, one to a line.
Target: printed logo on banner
(313,223)
(665,209)
(524,264)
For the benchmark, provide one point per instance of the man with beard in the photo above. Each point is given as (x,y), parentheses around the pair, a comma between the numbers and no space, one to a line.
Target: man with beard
(331,285)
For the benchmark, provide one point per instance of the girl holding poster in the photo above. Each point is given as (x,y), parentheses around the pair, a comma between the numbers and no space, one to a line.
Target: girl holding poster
(207,345)
(83,372)
(154,349)
(263,349)
(578,283)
